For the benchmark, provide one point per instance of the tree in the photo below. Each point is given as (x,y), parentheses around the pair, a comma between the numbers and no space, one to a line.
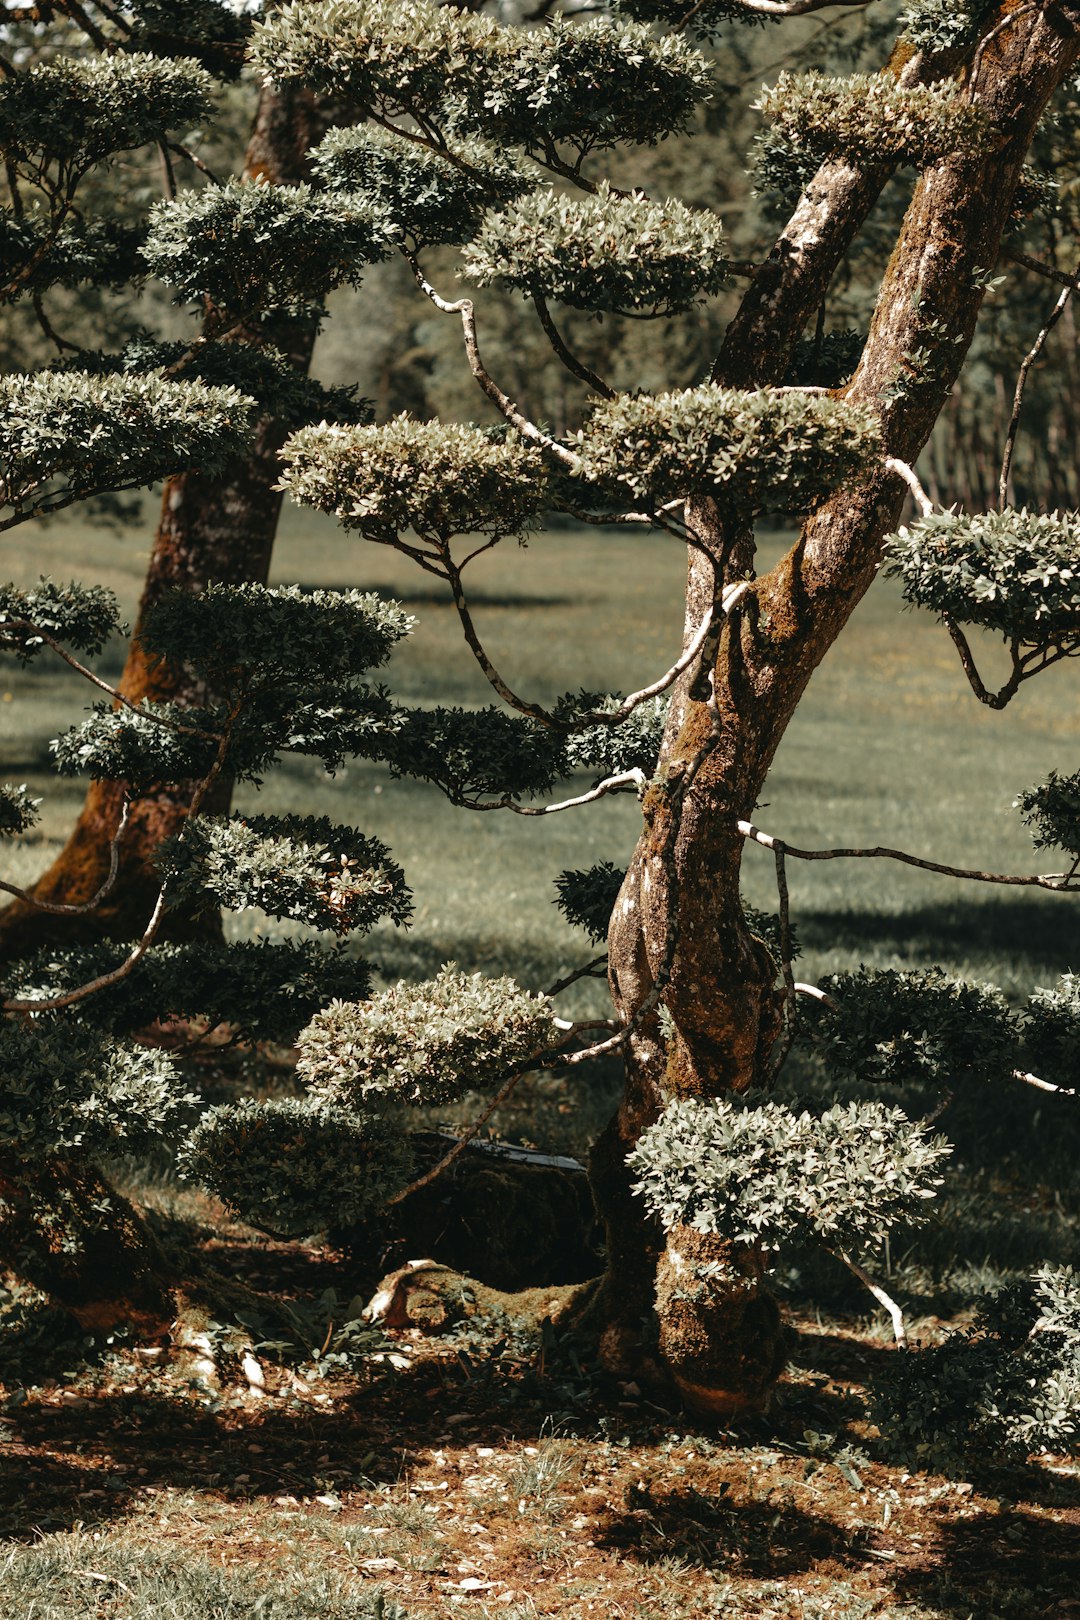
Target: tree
(485,137)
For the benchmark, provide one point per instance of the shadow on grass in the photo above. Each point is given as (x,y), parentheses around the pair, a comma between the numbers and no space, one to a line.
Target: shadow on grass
(439,596)
(1011,1565)
(1035,929)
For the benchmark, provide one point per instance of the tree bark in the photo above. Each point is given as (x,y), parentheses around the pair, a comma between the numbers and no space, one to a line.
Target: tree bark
(679,913)
(210,528)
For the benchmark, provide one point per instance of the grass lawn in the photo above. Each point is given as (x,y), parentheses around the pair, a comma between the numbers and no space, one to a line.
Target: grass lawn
(488,1476)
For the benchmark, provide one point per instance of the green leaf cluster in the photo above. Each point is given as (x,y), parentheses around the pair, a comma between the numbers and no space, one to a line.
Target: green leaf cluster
(253,248)
(606,253)
(292,1167)
(942,25)
(431,198)
(1052,811)
(37,254)
(472,752)
(1015,572)
(263,989)
(633,744)
(424,1043)
(18,811)
(439,479)
(141,747)
(65,1087)
(81,616)
(996,1392)
(302,867)
(77,110)
(586,897)
(903,1026)
(868,118)
(766,1175)
(768,450)
(67,435)
(1052,1032)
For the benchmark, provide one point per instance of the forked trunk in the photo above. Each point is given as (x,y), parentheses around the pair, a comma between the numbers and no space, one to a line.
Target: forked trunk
(702,1311)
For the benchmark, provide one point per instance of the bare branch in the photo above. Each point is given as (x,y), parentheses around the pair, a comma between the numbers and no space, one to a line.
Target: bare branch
(993,700)
(1056,882)
(815,993)
(54,908)
(566,355)
(884,1300)
(1021,381)
(596,969)
(1050,271)
(1007,21)
(612,784)
(908,474)
(476,647)
(1044,1085)
(462,1142)
(787,1037)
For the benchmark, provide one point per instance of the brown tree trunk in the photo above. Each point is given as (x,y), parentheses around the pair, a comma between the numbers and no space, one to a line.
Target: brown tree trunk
(210,528)
(678,919)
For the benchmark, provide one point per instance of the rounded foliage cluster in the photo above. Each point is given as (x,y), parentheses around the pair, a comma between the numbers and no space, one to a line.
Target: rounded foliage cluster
(37,254)
(1052,811)
(904,1026)
(18,811)
(430,197)
(766,1175)
(440,479)
(65,1087)
(292,1167)
(136,747)
(1052,1031)
(68,435)
(249,248)
(77,110)
(587,897)
(425,1043)
(471,752)
(81,616)
(1015,572)
(269,634)
(606,253)
(770,450)
(633,744)
(870,118)
(302,867)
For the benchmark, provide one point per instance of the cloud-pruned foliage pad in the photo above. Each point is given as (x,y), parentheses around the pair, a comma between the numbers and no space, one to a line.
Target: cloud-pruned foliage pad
(18,811)
(870,118)
(439,478)
(425,1043)
(68,435)
(266,989)
(1015,572)
(586,897)
(122,745)
(65,1087)
(605,253)
(996,1392)
(270,634)
(293,1167)
(633,744)
(1052,1032)
(430,198)
(906,1026)
(76,110)
(37,254)
(706,18)
(250,248)
(1052,811)
(83,617)
(472,752)
(766,1175)
(304,868)
(770,450)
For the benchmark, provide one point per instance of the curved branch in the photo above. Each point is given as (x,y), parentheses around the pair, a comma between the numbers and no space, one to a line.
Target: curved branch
(476,647)
(55,908)
(1057,882)
(885,1300)
(1021,383)
(993,700)
(565,354)
(910,477)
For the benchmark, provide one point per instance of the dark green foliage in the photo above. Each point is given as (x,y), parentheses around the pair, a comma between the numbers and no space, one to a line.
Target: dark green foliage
(774,451)
(870,118)
(1016,572)
(587,897)
(83,617)
(706,18)
(266,989)
(606,253)
(898,1027)
(441,479)
(1002,1389)
(250,249)
(76,110)
(1052,1032)
(942,25)
(425,1043)
(36,254)
(766,1175)
(633,744)
(302,867)
(65,1088)
(293,1167)
(261,635)
(18,811)
(430,198)
(584,85)
(209,30)
(121,745)
(1052,811)
(765,926)
(471,752)
(824,364)
(67,435)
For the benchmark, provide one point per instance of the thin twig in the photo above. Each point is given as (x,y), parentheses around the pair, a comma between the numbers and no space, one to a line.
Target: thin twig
(908,474)
(1056,882)
(634,778)
(596,969)
(476,647)
(885,1300)
(462,1142)
(570,360)
(1044,1085)
(1021,383)
(790,1016)
(54,908)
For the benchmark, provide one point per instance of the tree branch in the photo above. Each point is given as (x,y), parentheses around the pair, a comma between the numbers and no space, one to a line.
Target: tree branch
(1021,383)
(54,908)
(885,1300)
(568,358)
(910,477)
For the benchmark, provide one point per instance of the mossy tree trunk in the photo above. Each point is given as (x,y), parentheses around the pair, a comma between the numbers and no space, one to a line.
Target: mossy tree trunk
(679,911)
(210,528)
